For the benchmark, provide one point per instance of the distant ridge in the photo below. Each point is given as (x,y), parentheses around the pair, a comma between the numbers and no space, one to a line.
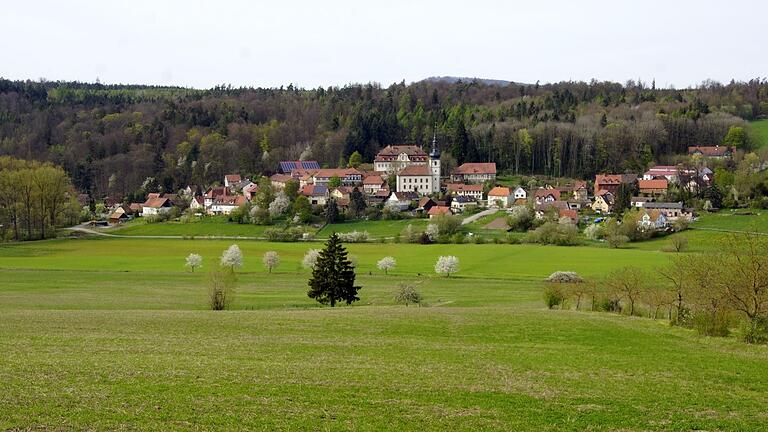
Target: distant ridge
(486,81)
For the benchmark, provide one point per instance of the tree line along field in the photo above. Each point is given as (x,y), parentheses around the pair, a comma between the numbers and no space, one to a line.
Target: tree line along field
(106,334)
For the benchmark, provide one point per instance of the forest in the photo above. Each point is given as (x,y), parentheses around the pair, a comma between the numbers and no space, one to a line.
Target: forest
(112,139)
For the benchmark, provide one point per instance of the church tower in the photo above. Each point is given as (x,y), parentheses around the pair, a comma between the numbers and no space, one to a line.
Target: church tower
(434,165)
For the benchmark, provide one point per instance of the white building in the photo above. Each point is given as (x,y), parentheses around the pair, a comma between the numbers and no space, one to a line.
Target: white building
(422,179)
(392,159)
(500,197)
(520,193)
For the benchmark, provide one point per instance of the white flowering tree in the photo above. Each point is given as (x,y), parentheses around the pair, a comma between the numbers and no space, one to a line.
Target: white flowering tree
(232,258)
(271,260)
(446,265)
(279,205)
(432,231)
(310,259)
(386,264)
(194,261)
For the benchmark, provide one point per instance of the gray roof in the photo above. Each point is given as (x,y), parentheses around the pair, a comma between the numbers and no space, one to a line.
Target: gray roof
(663,205)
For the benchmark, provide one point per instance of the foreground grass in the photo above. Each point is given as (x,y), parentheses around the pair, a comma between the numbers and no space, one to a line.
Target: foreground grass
(208,226)
(105,334)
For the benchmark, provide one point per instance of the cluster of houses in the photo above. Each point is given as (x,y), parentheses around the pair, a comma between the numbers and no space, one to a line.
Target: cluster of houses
(419,181)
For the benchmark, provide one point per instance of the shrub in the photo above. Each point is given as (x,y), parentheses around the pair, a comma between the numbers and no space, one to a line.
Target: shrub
(553,233)
(755,331)
(448,225)
(553,296)
(594,232)
(354,237)
(221,288)
(564,277)
(293,234)
(520,218)
(407,294)
(609,304)
(708,323)
(676,244)
(616,240)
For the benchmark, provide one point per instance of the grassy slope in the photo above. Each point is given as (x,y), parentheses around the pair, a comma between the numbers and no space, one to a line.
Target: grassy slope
(384,228)
(205,227)
(109,333)
(760,132)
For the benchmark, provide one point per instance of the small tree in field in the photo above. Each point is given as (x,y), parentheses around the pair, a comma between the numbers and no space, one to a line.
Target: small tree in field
(628,283)
(447,265)
(221,288)
(310,258)
(271,260)
(386,264)
(232,258)
(194,261)
(333,278)
(407,294)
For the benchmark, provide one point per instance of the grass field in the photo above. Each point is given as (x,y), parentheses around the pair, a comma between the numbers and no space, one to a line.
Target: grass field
(377,229)
(208,226)
(105,334)
(760,132)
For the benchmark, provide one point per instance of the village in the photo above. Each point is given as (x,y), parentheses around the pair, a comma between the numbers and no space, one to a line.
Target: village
(408,181)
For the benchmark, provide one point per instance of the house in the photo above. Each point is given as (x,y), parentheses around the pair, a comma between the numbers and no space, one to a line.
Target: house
(653,219)
(520,194)
(611,182)
(458,189)
(425,203)
(373,183)
(137,208)
(316,194)
(668,172)
(577,204)
(401,200)
(231,179)
(671,210)
(348,176)
(571,214)
(544,195)
(555,207)
(341,193)
(500,197)
(213,193)
(639,202)
(156,205)
(653,187)
(287,167)
(197,204)
(279,181)
(439,211)
(418,178)
(117,217)
(716,152)
(474,172)
(250,191)
(460,203)
(393,158)
(225,204)
(603,203)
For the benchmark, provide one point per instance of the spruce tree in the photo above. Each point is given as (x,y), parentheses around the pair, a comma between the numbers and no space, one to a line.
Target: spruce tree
(331,211)
(333,277)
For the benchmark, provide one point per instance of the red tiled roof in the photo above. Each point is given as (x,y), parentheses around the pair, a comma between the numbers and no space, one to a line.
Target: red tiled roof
(500,191)
(652,184)
(710,150)
(235,201)
(415,170)
(340,172)
(439,210)
(233,178)
(391,152)
(156,202)
(476,168)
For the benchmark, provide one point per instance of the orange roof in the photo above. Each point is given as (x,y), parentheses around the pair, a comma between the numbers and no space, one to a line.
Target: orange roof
(156,202)
(233,178)
(652,184)
(340,172)
(439,210)
(415,170)
(573,214)
(476,168)
(500,191)
(236,201)
(373,180)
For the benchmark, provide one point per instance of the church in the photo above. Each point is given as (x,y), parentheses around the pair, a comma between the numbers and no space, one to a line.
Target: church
(424,178)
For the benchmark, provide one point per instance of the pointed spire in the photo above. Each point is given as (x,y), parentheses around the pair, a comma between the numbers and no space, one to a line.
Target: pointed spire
(434,153)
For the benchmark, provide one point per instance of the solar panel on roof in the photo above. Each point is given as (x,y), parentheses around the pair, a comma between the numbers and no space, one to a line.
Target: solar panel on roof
(288,166)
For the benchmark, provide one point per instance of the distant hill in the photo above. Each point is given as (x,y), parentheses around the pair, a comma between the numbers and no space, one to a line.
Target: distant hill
(486,81)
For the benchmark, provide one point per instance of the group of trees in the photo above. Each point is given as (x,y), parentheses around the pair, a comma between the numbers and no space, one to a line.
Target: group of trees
(109,139)
(35,199)
(710,292)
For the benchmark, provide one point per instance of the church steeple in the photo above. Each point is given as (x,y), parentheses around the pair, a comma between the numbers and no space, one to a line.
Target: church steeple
(434,153)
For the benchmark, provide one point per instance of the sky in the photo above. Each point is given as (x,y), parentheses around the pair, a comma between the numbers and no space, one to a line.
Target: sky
(325,43)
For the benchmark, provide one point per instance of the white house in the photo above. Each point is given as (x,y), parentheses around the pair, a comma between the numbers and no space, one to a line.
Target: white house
(197,204)
(474,172)
(156,205)
(459,189)
(316,194)
(500,197)
(231,179)
(401,200)
(520,193)
(348,176)
(224,204)
(460,203)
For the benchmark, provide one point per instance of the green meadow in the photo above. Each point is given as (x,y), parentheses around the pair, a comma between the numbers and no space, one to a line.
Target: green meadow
(113,333)
(759,129)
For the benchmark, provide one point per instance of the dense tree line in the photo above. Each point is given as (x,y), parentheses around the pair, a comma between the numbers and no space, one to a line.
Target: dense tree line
(110,139)
(35,199)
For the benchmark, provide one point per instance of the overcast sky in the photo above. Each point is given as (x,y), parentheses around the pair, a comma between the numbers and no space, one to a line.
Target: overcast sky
(335,42)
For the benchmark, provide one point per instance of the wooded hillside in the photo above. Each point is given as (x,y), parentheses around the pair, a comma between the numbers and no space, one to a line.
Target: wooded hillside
(110,139)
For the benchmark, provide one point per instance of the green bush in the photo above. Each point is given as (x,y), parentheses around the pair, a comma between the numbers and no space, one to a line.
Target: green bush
(283,235)
(711,323)
(553,296)
(755,332)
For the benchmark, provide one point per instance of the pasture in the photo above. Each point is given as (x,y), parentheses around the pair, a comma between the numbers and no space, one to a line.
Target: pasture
(105,334)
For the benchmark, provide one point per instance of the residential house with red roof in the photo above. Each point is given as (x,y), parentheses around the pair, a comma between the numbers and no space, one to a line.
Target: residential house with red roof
(716,152)
(500,197)
(655,187)
(459,189)
(474,172)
